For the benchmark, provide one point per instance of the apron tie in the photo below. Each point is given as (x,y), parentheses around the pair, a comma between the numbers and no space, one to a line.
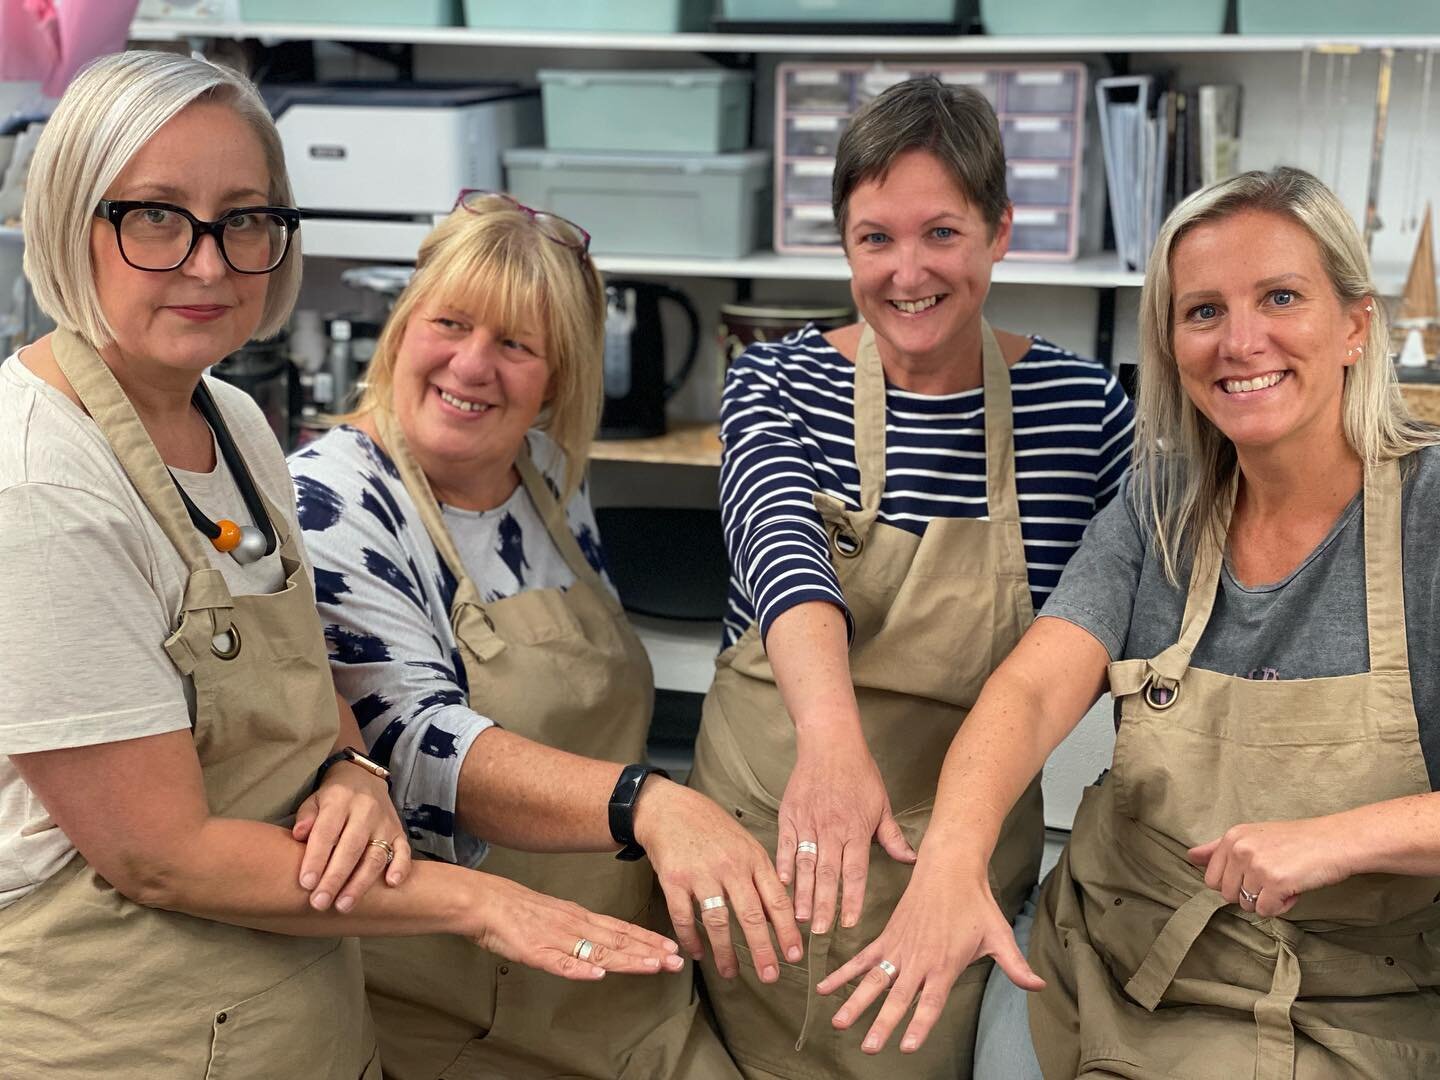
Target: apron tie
(818,951)
(1157,971)
(474,628)
(1275,1032)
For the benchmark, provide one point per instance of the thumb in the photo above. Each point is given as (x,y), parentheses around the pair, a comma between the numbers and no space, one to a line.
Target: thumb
(893,840)
(1012,961)
(1200,855)
(305,818)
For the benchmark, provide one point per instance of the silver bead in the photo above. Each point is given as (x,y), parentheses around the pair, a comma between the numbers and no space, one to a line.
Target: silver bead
(251,546)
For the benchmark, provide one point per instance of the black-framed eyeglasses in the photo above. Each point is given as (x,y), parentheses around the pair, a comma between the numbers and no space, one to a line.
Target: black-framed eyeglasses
(158,236)
(561,230)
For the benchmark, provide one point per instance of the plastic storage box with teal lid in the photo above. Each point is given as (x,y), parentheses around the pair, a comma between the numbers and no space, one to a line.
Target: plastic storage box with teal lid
(630,16)
(1041,108)
(856,11)
(1069,18)
(710,205)
(354,12)
(686,111)
(1338,17)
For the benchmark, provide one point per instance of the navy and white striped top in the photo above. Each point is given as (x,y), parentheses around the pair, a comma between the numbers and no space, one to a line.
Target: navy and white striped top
(787,424)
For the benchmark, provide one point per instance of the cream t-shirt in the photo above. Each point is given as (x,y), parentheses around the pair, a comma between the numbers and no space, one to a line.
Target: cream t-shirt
(90,587)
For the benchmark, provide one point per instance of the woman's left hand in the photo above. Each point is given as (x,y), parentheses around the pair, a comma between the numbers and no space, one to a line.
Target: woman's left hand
(1266,866)
(338,823)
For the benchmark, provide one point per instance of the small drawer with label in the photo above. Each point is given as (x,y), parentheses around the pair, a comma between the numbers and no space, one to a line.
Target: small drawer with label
(1031,184)
(818,89)
(810,225)
(813,136)
(808,181)
(1040,232)
(987,82)
(874,82)
(1042,137)
(1052,91)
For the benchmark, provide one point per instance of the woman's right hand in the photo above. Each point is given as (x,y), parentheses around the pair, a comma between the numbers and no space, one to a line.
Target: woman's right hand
(943,923)
(836,800)
(543,932)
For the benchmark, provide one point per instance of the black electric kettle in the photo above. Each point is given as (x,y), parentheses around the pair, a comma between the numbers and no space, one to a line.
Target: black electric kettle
(636,388)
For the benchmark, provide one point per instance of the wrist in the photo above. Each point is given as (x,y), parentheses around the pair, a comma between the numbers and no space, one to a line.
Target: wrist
(830,731)
(654,806)
(351,759)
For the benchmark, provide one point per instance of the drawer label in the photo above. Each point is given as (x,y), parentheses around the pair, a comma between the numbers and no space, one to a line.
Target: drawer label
(811,213)
(815,78)
(1035,172)
(815,123)
(1036,217)
(1036,124)
(1041,78)
(812,168)
(964,78)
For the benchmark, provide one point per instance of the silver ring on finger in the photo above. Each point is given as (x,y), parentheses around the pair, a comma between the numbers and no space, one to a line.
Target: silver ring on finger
(384,845)
(889,969)
(583,948)
(1248,896)
(807,847)
(710,903)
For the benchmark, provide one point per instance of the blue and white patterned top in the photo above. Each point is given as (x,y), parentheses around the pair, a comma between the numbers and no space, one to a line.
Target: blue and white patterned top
(787,421)
(384,596)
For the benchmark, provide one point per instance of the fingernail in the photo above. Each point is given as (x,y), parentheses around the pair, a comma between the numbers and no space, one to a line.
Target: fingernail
(597,973)
(848,920)
(872,1044)
(909,1044)
(674,963)
(320,900)
(697,956)
(784,879)
(793,954)
(651,962)
(770,973)
(345,903)
(308,881)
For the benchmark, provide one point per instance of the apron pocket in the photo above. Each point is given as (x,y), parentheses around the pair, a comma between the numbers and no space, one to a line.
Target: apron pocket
(762,1023)
(313,1024)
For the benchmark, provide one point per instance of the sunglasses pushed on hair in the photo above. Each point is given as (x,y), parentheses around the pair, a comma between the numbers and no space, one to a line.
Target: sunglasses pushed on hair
(552,226)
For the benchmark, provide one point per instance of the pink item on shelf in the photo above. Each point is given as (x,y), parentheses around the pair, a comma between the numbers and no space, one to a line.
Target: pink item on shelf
(48,41)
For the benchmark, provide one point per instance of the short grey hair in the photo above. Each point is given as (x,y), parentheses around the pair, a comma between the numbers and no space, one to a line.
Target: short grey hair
(955,123)
(112,109)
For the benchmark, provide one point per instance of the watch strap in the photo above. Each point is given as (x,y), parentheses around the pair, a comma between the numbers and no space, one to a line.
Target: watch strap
(350,755)
(622,809)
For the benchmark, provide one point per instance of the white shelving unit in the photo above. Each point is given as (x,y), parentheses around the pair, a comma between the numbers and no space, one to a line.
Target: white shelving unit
(799,44)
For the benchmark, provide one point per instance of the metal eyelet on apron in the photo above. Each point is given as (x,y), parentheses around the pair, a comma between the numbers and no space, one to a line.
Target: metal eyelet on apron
(226,645)
(846,544)
(1159,703)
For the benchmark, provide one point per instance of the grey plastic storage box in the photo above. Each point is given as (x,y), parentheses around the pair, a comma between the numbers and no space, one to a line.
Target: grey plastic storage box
(651,204)
(1338,17)
(702,112)
(354,12)
(890,11)
(635,16)
(1067,18)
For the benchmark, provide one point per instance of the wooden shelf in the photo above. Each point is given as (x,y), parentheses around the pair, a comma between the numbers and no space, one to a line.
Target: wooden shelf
(798,44)
(684,444)
(1423,399)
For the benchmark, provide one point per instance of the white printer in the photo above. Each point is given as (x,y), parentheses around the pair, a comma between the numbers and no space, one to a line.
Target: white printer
(373,164)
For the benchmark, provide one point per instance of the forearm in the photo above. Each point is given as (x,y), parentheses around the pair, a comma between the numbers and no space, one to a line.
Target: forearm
(810,654)
(1398,836)
(1027,707)
(247,873)
(521,794)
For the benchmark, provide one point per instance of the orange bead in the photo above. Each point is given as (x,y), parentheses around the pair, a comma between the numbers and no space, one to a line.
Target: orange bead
(229,537)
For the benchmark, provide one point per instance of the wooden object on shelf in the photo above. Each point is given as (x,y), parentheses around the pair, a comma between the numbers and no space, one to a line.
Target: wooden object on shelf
(693,443)
(1419,308)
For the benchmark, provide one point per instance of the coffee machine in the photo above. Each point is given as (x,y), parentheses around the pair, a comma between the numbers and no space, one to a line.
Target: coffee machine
(636,387)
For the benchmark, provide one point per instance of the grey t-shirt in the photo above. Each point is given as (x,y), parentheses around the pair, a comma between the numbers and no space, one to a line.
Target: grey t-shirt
(1309,625)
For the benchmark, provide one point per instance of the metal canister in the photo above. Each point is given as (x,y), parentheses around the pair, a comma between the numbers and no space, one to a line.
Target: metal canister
(742,325)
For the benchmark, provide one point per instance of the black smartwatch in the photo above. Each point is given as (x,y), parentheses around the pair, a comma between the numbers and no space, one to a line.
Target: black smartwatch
(622,809)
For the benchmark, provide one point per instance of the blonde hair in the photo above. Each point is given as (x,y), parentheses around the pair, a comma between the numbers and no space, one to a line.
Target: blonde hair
(111,110)
(1186,463)
(500,267)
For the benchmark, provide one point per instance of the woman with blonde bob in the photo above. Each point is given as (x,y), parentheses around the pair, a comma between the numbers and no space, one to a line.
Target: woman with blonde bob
(493,671)
(189,830)
(1249,891)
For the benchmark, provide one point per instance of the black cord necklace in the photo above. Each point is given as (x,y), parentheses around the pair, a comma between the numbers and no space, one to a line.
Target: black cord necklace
(245,543)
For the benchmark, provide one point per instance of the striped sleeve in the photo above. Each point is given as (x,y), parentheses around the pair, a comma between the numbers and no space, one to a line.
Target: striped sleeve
(778,552)
(1117,433)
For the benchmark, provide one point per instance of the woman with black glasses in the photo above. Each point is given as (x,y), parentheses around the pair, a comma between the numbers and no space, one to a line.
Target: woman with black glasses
(486,656)
(188,825)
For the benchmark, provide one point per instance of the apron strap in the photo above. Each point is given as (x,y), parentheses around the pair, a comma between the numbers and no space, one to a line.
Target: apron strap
(1002,502)
(473,626)
(1157,971)
(869,432)
(1384,575)
(553,514)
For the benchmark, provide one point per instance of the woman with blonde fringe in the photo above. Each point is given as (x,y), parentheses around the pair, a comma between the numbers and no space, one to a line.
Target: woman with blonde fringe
(1250,890)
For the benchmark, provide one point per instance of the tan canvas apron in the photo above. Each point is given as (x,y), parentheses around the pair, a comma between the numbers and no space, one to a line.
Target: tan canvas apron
(562,667)
(1151,974)
(934,615)
(92,985)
